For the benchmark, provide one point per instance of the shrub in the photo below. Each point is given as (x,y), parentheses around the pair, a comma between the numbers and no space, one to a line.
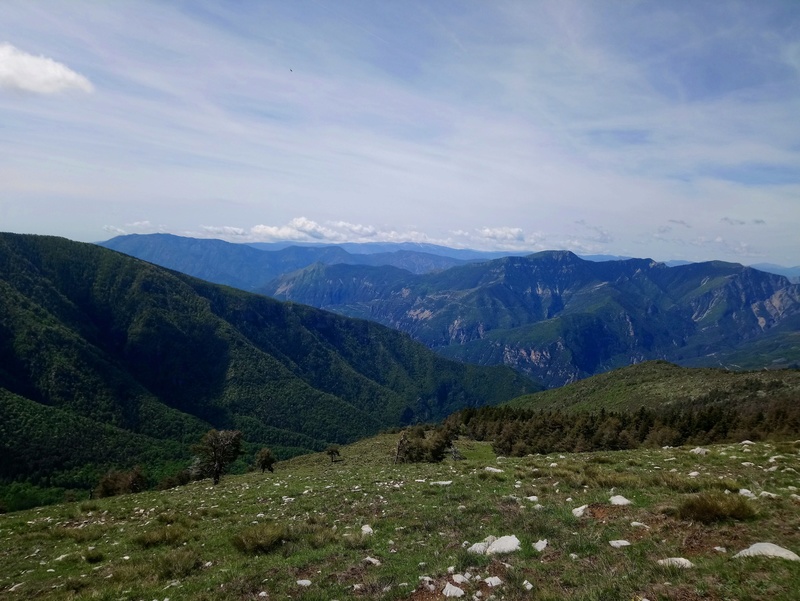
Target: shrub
(708,508)
(119,483)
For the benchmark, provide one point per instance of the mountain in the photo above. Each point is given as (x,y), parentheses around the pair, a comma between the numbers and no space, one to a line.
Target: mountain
(793,273)
(108,360)
(559,318)
(360,248)
(247,268)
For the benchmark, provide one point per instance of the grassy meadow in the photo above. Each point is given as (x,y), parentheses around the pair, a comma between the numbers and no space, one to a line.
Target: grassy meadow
(256,536)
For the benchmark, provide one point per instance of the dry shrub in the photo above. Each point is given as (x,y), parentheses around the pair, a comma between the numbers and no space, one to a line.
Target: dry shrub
(262,538)
(179,563)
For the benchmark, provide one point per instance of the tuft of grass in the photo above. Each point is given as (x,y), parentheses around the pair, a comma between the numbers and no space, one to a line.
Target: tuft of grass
(93,556)
(709,507)
(179,563)
(262,538)
(165,535)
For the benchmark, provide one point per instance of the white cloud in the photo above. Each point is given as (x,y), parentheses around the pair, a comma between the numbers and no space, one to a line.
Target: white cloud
(38,74)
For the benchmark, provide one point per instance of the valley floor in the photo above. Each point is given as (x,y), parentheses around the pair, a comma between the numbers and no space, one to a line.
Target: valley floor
(364,528)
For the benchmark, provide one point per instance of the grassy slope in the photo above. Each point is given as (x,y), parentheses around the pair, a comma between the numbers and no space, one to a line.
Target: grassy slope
(180,543)
(654,384)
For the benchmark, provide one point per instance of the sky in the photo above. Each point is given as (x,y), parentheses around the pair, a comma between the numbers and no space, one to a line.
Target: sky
(667,129)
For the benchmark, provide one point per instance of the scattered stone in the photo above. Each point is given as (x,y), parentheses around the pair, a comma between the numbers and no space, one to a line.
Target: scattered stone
(304,583)
(532,498)
(493,581)
(573,556)
(504,544)
(746,442)
(480,548)
(460,578)
(746,493)
(367,530)
(450,590)
(620,500)
(768,550)
(15,587)
(493,470)
(578,511)
(694,474)
(527,585)
(748,463)
(700,451)
(540,545)
(618,544)
(675,562)
(640,525)
(767,495)
(721,549)
(372,561)
(442,483)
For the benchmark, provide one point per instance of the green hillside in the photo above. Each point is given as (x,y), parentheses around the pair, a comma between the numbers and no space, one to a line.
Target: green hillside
(298,533)
(124,362)
(657,384)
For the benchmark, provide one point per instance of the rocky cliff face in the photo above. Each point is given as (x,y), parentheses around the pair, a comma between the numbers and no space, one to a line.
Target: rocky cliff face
(555,316)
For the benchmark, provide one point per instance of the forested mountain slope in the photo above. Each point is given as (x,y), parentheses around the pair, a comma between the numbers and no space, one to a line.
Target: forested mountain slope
(108,360)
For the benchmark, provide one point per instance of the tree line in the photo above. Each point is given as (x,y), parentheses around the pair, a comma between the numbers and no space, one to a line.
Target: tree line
(518,432)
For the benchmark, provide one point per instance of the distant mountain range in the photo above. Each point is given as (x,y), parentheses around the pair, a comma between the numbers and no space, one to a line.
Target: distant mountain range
(106,360)
(552,315)
(560,318)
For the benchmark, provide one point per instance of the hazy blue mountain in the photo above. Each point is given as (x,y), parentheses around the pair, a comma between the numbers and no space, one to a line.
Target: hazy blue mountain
(561,318)
(248,268)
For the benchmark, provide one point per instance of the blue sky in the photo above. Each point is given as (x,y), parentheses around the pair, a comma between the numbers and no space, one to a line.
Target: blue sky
(663,129)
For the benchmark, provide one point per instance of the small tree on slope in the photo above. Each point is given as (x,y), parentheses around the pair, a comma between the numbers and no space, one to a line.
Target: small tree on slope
(216,451)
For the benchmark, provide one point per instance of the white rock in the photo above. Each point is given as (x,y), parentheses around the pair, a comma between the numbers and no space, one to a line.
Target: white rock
(694,474)
(767,495)
(746,493)
(767,550)
(366,530)
(540,545)
(578,511)
(554,464)
(745,442)
(675,562)
(304,583)
(493,581)
(573,556)
(504,544)
(372,561)
(748,463)
(700,451)
(620,500)
(460,578)
(527,586)
(493,470)
(532,498)
(640,525)
(442,483)
(618,544)
(452,591)
(721,549)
